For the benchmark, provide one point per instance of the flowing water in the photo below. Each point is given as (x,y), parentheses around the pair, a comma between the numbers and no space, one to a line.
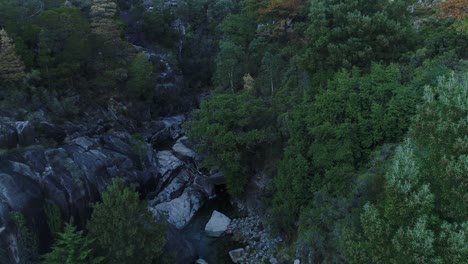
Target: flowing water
(213,250)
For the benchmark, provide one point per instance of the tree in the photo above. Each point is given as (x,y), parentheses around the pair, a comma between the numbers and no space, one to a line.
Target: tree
(141,82)
(63,45)
(401,233)
(423,216)
(228,65)
(344,34)
(157,27)
(123,228)
(332,134)
(71,248)
(235,131)
(271,72)
(440,128)
(11,66)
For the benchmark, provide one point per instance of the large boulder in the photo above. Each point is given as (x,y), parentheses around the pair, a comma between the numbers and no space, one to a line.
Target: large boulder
(8,136)
(217,224)
(26,133)
(180,210)
(205,185)
(174,189)
(51,131)
(182,150)
(236,255)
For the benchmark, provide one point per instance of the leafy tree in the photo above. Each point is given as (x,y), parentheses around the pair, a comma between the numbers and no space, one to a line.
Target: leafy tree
(235,130)
(228,66)
(157,27)
(331,136)
(440,128)
(141,82)
(11,66)
(123,228)
(71,248)
(421,219)
(352,33)
(239,29)
(63,45)
(271,72)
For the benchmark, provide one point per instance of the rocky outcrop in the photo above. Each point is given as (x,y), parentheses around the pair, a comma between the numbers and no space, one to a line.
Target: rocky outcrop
(217,224)
(73,174)
(8,136)
(237,255)
(180,210)
(260,246)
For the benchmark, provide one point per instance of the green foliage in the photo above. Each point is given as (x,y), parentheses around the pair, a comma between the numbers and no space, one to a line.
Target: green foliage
(123,228)
(62,37)
(54,218)
(26,243)
(141,80)
(233,129)
(71,248)
(440,128)
(352,33)
(229,70)
(157,27)
(422,219)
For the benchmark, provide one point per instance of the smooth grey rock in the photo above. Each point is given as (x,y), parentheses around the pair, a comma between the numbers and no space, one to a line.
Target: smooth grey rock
(297,261)
(85,142)
(217,224)
(236,255)
(8,136)
(51,131)
(181,149)
(174,189)
(26,133)
(205,185)
(180,210)
(201,261)
(167,162)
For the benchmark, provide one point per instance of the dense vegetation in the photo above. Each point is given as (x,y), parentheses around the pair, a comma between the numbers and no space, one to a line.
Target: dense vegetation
(356,110)
(369,101)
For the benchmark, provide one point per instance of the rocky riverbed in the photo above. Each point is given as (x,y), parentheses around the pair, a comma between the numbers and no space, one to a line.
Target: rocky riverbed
(259,247)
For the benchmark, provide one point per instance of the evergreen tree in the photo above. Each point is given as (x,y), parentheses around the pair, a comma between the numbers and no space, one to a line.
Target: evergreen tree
(123,228)
(140,84)
(11,66)
(71,248)
(352,33)
(441,129)
(422,219)
(235,130)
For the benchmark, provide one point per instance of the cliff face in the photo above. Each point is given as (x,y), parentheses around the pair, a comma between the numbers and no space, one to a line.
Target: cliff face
(96,149)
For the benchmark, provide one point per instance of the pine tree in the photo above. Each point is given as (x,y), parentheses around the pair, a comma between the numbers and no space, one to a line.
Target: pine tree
(123,228)
(401,234)
(71,248)
(11,65)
